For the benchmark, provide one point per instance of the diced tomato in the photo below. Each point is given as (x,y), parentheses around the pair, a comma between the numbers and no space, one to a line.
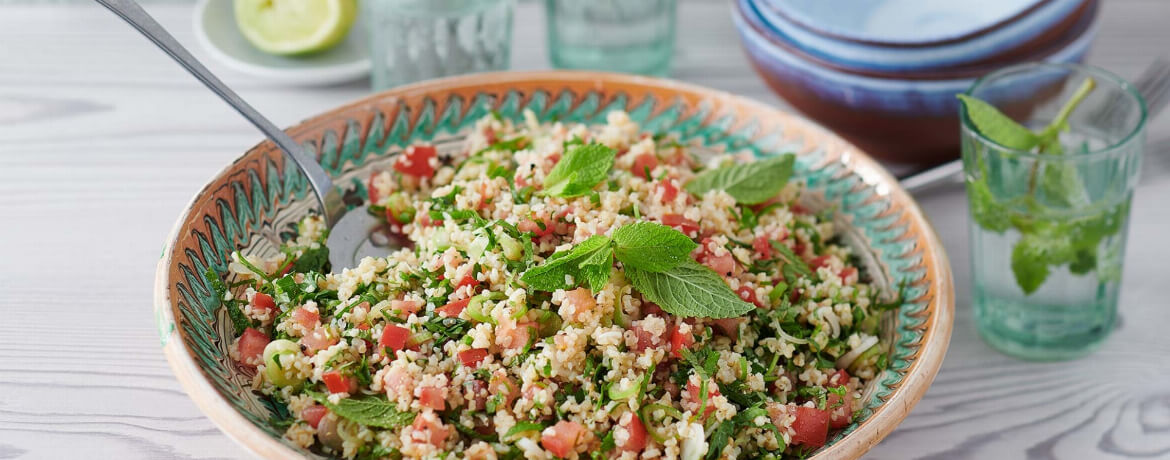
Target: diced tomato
(251,345)
(643,164)
(637,439)
(679,341)
(646,339)
(529,225)
(694,394)
(453,309)
(669,191)
(432,397)
(847,272)
(468,280)
(747,294)
(472,357)
(687,226)
(728,326)
(405,308)
(840,410)
(651,308)
(338,383)
(263,301)
(561,439)
(371,190)
(394,337)
(582,302)
(798,209)
(398,380)
(430,430)
(476,393)
(723,264)
(503,386)
(307,319)
(313,414)
(811,427)
(416,161)
(514,335)
(819,261)
(763,246)
(839,378)
(319,339)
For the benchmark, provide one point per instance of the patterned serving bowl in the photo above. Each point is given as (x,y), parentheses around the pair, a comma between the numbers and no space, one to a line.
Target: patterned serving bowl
(258,199)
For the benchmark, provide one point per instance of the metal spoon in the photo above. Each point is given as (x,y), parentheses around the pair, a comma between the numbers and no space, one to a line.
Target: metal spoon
(348,231)
(1153,85)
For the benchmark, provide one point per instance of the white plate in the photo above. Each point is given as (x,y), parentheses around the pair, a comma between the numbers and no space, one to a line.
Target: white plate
(215,28)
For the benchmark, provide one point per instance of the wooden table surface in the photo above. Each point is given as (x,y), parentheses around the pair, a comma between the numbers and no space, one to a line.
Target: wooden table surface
(103,140)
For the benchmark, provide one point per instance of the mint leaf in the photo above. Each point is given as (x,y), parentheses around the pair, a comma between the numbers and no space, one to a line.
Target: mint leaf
(521,427)
(996,126)
(689,289)
(748,183)
(588,262)
(369,410)
(220,290)
(1029,265)
(986,211)
(792,262)
(651,246)
(581,169)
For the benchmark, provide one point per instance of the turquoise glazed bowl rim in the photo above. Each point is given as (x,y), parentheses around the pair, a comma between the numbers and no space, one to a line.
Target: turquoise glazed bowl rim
(258,196)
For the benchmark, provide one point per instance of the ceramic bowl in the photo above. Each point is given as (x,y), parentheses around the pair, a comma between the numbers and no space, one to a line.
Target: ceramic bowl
(909,119)
(912,35)
(261,196)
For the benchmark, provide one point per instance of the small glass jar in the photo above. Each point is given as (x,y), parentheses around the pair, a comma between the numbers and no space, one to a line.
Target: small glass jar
(632,36)
(413,40)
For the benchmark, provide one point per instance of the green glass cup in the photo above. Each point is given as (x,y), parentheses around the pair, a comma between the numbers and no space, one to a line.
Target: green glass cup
(1048,229)
(631,36)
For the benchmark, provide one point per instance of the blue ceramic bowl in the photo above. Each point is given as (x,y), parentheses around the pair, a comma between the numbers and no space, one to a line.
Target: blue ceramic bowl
(909,35)
(913,119)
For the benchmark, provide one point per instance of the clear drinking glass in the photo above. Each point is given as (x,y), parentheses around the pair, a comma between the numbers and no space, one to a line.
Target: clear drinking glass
(633,36)
(1048,230)
(412,40)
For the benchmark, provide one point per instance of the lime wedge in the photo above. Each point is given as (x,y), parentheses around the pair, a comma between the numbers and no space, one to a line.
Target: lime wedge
(289,27)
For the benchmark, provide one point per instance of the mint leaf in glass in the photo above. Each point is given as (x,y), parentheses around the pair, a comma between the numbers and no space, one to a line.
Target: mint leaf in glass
(996,126)
(651,246)
(581,169)
(748,183)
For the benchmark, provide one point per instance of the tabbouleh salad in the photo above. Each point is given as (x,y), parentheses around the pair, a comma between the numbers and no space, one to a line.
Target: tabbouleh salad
(570,292)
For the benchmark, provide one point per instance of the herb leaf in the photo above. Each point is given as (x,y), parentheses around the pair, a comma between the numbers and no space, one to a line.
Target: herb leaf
(521,427)
(651,246)
(367,410)
(689,289)
(748,183)
(589,261)
(998,127)
(312,260)
(581,169)
(219,289)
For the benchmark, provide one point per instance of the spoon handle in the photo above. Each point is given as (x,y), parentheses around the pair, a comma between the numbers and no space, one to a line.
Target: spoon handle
(132,13)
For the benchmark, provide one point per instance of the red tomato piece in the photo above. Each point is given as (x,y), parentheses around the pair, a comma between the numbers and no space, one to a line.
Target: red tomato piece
(317,340)
(669,191)
(251,345)
(694,394)
(338,383)
(651,308)
(453,309)
(416,161)
(430,430)
(371,190)
(432,397)
(307,319)
(840,410)
(646,339)
(811,427)
(637,440)
(643,164)
(472,357)
(763,246)
(561,439)
(263,301)
(514,335)
(819,261)
(728,326)
(501,384)
(847,272)
(530,225)
(313,414)
(839,378)
(394,337)
(747,294)
(723,264)
(405,308)
(468,280)
(687,226)
(679,341)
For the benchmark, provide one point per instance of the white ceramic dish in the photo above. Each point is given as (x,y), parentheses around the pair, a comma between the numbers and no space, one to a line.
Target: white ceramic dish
(215,29)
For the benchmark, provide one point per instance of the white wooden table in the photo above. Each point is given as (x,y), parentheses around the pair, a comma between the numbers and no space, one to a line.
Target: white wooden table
(103,140)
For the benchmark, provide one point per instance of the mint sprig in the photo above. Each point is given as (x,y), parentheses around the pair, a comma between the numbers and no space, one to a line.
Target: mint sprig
(372,410)
(658,264)
(748,183)
(581,169)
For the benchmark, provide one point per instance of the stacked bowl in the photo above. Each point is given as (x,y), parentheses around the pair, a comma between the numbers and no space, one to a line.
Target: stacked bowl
(884,73)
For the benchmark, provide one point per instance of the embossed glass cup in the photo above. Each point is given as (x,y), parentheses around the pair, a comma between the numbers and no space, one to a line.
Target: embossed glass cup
(632,36)
(1048,229)
(412,40)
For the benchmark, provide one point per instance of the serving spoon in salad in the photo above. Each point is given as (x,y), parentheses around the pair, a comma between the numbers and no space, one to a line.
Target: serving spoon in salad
(349,229)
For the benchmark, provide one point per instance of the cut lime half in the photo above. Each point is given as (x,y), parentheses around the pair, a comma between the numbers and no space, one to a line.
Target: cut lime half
(290,27)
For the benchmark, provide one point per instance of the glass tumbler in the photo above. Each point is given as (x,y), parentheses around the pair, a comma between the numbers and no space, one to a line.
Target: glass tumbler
(412,40)
(1048,228)
(632,36)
